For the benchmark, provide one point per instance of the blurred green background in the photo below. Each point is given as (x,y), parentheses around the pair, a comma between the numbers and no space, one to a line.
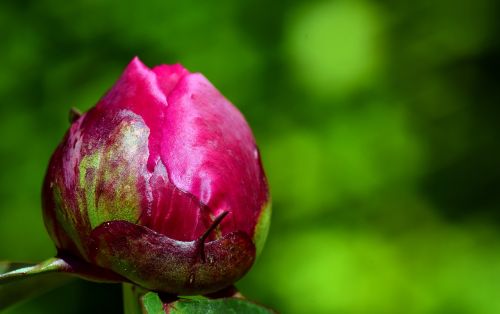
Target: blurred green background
(378,123)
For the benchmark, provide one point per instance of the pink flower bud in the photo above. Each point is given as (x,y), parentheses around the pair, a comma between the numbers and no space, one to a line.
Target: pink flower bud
(161,183)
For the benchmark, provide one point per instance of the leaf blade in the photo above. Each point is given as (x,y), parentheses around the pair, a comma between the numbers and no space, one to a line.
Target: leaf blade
(152,304)
(224,305)
(21,281)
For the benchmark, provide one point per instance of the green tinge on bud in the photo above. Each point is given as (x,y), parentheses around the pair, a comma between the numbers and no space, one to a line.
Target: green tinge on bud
(262,228)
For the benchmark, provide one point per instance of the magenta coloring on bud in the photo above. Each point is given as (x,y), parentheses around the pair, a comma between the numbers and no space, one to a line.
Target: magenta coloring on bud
(161,183)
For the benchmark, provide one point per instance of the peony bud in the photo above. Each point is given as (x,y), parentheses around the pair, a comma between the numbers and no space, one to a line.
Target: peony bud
(161,183)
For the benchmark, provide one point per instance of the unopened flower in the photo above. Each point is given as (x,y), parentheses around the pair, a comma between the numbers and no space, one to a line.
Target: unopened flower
(160,183)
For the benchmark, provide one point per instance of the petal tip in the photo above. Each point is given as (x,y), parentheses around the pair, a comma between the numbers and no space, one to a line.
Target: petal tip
(136,65)
(169,75)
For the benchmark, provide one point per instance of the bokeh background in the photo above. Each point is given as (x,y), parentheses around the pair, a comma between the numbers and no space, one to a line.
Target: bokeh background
(378,123)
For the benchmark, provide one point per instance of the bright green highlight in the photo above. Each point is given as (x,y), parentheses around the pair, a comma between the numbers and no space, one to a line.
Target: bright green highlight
(335,45)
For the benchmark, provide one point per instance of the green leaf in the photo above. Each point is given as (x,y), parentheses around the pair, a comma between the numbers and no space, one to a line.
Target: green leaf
(152,304)
(140,301)
(6,266)
(21,281)
(137,300)
(17,271)
(66,265)
(224,305)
